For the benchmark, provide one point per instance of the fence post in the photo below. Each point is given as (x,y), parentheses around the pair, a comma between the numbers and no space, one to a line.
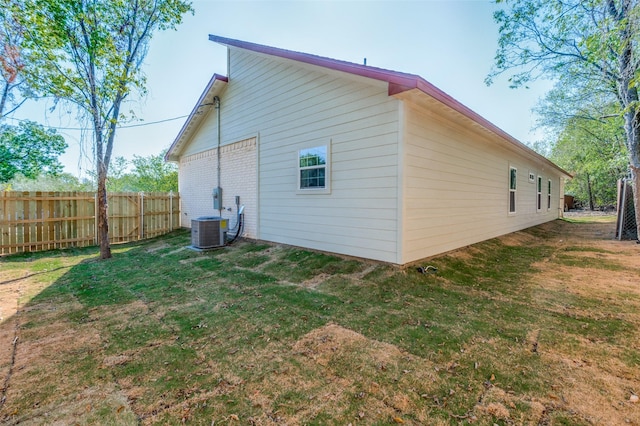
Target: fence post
(171,210)
(141,198)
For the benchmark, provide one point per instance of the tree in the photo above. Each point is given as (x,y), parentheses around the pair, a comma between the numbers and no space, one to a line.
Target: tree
(586,137)
(89,53)
(142,174)
(589,44)
(594,152)
(57,183)
(118,179)
(11,63)
(152,174)
(30,150)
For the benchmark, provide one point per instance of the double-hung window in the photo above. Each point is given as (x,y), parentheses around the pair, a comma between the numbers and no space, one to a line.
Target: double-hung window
(539,194)
(313,168)
(513,184)
(549,194)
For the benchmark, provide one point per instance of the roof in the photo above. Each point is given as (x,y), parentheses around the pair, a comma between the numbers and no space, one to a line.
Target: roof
(205,102)
(398,83)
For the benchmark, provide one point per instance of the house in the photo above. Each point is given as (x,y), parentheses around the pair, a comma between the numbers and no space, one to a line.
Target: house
(353,159)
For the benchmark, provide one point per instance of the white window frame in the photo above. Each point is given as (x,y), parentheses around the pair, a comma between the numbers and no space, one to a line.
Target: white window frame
(327,170)
(539,194)
(549,188)
(513,192)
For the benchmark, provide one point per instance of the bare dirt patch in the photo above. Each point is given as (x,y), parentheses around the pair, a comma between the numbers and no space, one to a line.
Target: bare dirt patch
(335,370)
(9,295)
(590,265)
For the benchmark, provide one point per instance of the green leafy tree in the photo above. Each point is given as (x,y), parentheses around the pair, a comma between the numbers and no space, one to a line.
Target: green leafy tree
(30,150)
(56,183)
(153,174)
(588,44)
(119,180)
(147,174)
(586,137)
(594,152)
(89,53)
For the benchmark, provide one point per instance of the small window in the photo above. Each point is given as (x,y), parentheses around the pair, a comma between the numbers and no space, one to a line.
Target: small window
(549,194)
(539,194)
(312,166)
(513,184)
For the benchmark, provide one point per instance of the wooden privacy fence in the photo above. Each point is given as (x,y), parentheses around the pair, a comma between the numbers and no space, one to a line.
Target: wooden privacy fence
(36,221)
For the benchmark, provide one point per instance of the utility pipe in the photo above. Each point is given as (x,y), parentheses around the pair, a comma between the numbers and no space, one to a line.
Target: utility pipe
(216,102)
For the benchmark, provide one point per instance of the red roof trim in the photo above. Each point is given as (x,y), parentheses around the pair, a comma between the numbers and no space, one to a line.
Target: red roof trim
(218,77)
(398,82)
(399,78)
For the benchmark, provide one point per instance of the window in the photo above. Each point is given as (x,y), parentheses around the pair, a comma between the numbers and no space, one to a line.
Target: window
(513,182)
(549,195)
(539,194)
(312,166)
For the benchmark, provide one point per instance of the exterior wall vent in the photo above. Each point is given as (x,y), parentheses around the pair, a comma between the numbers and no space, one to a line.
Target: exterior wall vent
(208,232)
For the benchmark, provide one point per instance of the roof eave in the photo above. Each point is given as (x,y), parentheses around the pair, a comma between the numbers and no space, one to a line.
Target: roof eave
(213,87)
(431,90)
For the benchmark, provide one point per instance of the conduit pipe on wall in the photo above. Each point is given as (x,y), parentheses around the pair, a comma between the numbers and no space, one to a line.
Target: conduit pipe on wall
(216,102)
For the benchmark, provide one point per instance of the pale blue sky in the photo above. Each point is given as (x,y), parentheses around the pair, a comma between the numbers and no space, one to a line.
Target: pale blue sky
(450,43)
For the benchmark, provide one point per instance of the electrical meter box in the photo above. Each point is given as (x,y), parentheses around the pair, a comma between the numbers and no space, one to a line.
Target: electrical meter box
(217,198)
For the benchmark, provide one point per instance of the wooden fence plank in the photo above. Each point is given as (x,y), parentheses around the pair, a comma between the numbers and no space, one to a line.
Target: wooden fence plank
(34,221)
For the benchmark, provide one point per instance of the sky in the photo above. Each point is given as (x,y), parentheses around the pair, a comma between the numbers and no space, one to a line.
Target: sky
(450,43)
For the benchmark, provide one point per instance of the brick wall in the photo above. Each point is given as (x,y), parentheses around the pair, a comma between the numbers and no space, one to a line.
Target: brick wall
(238,169)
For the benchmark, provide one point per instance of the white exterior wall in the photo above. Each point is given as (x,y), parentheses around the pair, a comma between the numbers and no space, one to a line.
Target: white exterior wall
(456,185)
(292,106)
(198,177)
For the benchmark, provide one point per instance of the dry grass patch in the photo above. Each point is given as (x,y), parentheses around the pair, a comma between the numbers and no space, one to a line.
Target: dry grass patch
(370,379)
(90,406)
(596,375)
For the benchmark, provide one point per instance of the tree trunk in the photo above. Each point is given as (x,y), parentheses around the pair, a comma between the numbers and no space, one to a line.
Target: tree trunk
(590,192)
(3,99)
(632,130)
(628,96)
(633,147)
(103,222)
(635,177)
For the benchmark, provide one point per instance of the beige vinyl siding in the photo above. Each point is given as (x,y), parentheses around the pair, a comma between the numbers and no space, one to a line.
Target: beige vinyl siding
(293,107)
(456,186)
(408,177)
(206,136)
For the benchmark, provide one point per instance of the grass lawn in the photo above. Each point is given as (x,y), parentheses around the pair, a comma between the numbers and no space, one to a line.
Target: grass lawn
(537,327)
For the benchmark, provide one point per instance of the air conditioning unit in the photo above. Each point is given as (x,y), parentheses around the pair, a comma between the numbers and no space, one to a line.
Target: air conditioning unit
(208,232)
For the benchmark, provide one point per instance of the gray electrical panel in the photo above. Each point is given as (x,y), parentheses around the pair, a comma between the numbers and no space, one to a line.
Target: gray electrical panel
(217,198)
